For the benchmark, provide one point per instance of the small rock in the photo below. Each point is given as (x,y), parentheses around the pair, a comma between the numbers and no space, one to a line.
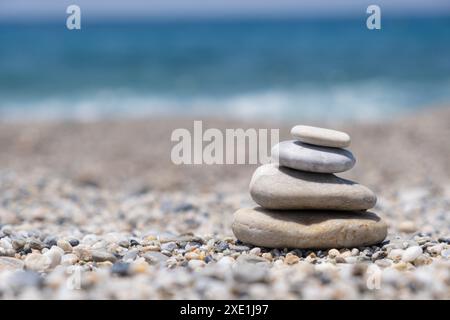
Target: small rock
(37,262)
(50,241)
(6,230)
(7,252)
(36,245)
(74,242)
(291,259)
(130,255)
(401,266)
(82,253)
(54,254)
(151,248)
(395,254)
(226,261)
(279,263)
(345,253)
(445,239)
(169,246)
(255,251)
(195,264)
(410,254)
(7,263)
(192,256)
(267,256)
(250,273)
(422,240)
(134,243)
(69,259)
(333,253)
(210,243)
(321,136)
(238,248)
(221,246)
(407,226)
(378,255)
(251,259)
(18,244)
(65,245)
(422,260)
(124,243)
(166,252)
(89,239)
(311,257)
(435,250)
(102,256)
(120,268)
(383,263)
(154,257)
(105,265)
(139,266)
(301,156)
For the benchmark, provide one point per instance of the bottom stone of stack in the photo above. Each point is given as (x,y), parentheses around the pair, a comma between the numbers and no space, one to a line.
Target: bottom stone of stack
(308,229)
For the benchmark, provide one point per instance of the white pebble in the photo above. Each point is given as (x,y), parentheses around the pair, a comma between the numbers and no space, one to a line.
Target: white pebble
(6,243)
(225,261)
(435,249)
(37,262)
(411,254)
(195,264)
(255,251)
(278,263)
(395,254)
(65,245)
(54,254)
(333,253)
(69,259)
(407,227)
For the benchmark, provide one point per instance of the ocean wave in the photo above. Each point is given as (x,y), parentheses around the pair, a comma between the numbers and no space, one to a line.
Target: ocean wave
(372,100)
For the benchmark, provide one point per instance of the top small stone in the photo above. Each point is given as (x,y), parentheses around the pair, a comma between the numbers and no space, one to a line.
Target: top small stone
(321,136)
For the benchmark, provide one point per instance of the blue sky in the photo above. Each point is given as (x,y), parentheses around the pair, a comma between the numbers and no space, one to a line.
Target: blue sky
(24,9)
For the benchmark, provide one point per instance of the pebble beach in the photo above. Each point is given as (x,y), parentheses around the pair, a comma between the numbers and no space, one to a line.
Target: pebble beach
(96,210)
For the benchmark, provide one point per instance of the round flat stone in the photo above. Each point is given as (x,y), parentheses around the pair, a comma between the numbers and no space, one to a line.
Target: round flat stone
(321,136)
(275,187)
(308,230)
(301,156)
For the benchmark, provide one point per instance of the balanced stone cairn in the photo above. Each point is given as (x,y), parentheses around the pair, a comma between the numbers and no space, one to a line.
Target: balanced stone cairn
(303,204)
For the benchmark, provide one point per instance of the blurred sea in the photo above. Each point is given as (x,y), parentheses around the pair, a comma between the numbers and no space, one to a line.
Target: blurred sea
(240,68)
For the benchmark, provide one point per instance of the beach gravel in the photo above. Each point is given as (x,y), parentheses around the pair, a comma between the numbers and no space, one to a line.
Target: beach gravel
(96,211)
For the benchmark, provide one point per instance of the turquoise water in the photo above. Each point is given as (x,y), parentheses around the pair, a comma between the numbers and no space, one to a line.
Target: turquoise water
(244,68)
